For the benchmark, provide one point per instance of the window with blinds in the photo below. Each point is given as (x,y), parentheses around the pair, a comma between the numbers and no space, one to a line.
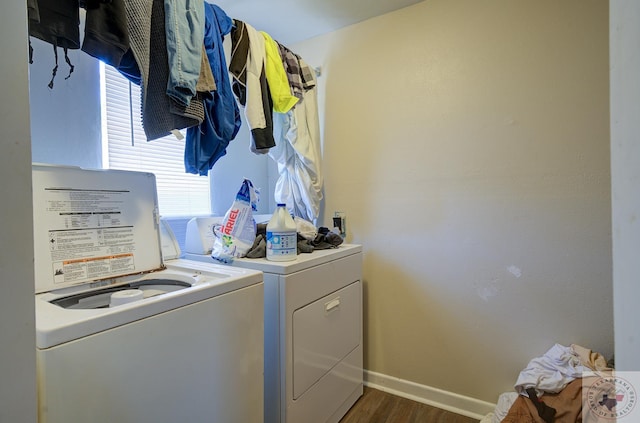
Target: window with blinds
(125,147)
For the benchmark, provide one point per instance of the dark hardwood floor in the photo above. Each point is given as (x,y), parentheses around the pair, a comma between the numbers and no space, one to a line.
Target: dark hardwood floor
(380,407)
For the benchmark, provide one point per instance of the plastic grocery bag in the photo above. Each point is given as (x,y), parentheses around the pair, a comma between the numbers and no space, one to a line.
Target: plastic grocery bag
(237,233)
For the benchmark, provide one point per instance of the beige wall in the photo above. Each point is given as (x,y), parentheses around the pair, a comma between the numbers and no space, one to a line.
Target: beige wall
(468,144)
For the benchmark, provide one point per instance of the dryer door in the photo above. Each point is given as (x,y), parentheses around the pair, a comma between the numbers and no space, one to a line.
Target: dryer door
(324,332)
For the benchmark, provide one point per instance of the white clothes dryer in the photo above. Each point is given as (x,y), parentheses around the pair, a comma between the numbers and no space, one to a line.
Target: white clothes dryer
(313,328)
(123,336)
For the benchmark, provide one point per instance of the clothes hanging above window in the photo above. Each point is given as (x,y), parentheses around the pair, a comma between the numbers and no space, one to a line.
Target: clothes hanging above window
(298,153)
(57,23)
(207,142)
(147,31)
(251,86)
(106,36)
(174,51)
(283,99)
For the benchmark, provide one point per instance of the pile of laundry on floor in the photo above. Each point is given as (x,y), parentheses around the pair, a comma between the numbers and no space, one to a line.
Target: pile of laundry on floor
(549,389)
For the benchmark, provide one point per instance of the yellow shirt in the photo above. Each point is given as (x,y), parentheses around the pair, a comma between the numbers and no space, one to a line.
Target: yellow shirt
(281,95)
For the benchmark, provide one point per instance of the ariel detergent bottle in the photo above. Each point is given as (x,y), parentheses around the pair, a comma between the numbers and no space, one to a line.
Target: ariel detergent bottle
(282,236)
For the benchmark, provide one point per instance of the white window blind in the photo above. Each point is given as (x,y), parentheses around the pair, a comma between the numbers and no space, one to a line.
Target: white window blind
(126,147)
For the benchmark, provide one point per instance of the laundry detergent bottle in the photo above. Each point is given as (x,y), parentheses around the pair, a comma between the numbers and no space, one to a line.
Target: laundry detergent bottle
(282,236)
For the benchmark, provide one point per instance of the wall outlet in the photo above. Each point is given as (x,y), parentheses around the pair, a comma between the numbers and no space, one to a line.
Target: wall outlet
(340,223)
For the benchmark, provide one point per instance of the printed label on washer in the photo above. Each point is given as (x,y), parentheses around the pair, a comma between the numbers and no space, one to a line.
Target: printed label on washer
(90,233)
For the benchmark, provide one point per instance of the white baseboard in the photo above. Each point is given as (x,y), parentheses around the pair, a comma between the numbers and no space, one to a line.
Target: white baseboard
(435,397)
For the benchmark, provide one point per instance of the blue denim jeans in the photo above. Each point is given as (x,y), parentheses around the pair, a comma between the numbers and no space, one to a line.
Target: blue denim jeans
(184,25)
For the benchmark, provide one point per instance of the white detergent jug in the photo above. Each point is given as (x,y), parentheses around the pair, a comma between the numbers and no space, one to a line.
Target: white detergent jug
(282,236)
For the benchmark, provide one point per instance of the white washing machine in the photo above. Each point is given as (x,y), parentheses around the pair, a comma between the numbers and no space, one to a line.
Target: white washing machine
(123,336)
(313,328)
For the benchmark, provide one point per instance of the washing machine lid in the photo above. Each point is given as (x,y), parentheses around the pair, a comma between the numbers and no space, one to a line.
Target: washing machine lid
(93,225)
